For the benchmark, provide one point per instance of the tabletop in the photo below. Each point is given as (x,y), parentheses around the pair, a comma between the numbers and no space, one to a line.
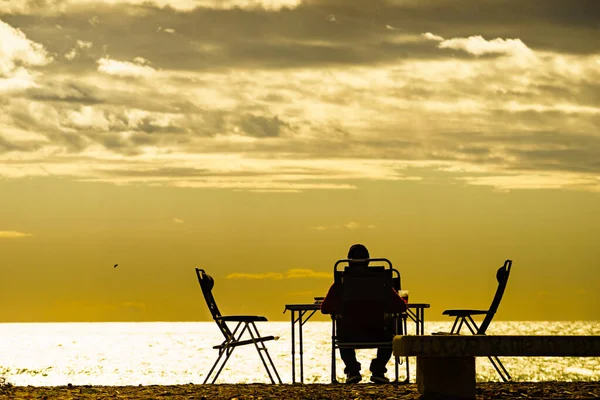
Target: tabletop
(317,306)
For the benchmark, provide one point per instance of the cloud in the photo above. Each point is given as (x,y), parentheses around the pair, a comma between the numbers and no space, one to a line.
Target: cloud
(51,7)
(431,36)
(298,273)
(478,46)
(259,126)
(264,275)
(349,225)
(306,273)
(352,225)
(67,90)
(178,220)
(75,51)
(536,181)
(125,68)
(271,106)
(13,234)
(17,55)
(17,50)
(166,30)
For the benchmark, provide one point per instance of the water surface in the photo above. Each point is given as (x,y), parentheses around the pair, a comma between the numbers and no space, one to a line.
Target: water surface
(48,354)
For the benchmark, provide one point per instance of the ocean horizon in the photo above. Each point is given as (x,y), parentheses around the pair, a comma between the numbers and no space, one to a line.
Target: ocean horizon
(170,353)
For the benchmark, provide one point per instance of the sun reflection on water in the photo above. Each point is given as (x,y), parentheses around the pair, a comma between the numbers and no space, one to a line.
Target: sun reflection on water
(50,354)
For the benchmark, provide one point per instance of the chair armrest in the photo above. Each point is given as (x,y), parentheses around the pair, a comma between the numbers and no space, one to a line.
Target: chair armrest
(463,313)
(242,318)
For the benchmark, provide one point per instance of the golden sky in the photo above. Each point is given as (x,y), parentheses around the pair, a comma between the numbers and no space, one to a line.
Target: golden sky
(260,139)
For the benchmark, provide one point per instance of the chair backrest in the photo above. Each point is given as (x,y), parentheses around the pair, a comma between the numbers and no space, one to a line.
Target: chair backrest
(206,284)
(502,277)
(396,280)
(338,273)
(365,298)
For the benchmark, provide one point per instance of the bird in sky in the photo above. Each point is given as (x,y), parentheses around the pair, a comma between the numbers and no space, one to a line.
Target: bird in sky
(115,265)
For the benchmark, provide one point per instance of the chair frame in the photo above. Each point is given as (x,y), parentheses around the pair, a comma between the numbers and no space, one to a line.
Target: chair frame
(401,327)
(233,339)
(336,344)
(465,317)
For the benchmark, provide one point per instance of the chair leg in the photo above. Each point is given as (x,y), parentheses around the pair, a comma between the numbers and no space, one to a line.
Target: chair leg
(272,364)
(500,368)
(333,372)
(405,328)
(473,327)
(227,351)
(260,347)
(224,350)
(454,325)
(221,352)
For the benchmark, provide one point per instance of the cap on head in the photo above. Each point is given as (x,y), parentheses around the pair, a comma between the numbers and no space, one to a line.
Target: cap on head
(358,252)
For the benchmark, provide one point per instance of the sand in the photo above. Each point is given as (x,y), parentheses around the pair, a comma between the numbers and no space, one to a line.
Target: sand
(492,390)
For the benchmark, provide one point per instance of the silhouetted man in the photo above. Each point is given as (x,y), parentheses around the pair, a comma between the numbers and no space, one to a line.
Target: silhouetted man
(332,305)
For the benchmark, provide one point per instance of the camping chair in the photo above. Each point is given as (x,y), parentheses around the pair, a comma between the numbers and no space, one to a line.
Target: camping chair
(368,288)
(245,323)
(465,317)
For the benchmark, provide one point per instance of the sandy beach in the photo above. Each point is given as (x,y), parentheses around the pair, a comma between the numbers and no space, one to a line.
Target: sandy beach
(492,390)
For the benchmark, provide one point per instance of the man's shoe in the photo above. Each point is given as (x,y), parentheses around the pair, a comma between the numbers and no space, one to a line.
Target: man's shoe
(379,379)
(353,377)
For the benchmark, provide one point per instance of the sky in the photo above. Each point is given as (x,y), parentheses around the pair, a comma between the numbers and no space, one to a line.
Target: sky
(260,139)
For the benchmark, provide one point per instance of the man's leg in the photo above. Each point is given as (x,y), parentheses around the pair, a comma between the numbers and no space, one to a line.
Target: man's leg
(378,364)
(384,354)
(352,368)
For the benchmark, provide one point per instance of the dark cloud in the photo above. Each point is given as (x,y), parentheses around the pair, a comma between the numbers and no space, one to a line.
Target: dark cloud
(148,125)
(173,172)
(578,160)
(69,141)
(70,92)
(8,146)
(528,151)
(116,143)
(211,39)
(261,127)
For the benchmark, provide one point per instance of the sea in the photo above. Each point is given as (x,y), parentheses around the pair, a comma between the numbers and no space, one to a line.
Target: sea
(171,353)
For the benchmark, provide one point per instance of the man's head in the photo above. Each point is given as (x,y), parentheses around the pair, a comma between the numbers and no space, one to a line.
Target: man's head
(358,252)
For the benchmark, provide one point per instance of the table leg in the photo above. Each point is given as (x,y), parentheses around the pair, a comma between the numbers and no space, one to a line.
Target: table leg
(293,347)
(301,347)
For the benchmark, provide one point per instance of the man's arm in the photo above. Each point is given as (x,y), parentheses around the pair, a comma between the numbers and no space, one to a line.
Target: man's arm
(329,304)
(398,304)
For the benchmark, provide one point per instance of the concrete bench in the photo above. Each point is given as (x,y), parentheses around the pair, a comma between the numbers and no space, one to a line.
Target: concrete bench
(446,363)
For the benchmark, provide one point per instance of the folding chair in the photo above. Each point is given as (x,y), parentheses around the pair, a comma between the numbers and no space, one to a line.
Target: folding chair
(368,289)
(465,317)
(245,323)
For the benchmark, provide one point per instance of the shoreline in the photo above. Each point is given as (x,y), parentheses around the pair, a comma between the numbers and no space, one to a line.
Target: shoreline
(485,390)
